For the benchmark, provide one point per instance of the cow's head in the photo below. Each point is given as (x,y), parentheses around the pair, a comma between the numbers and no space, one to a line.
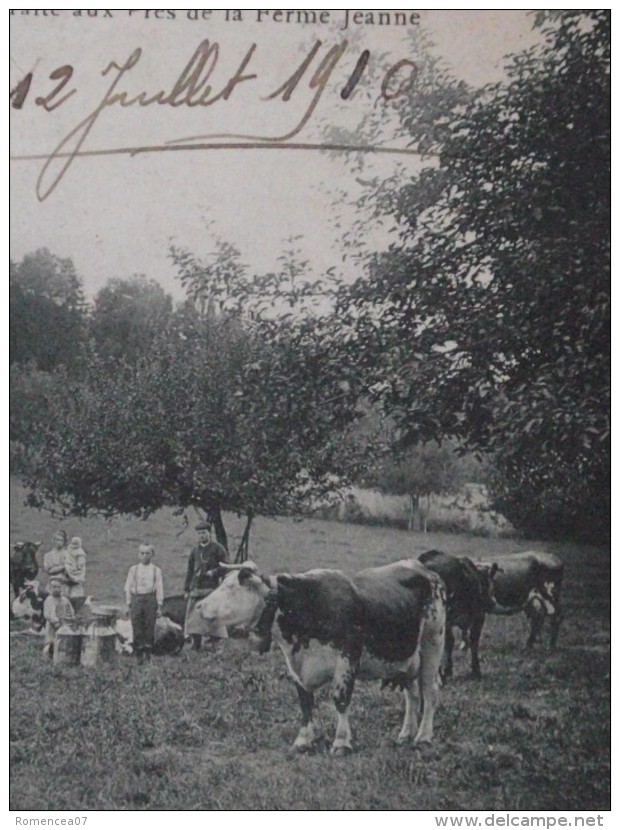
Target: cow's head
(29,603)
(239,599)
(486,578)
(24,554)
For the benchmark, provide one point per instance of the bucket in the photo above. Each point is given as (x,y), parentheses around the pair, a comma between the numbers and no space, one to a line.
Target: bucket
(68,644)
(99,640)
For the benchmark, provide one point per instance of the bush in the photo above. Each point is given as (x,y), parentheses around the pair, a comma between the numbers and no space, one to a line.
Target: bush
(556,513)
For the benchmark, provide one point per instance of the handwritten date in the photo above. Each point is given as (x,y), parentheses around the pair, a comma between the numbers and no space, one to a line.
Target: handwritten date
(194,87)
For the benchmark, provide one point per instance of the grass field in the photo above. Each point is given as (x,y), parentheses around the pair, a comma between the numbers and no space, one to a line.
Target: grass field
(214,731)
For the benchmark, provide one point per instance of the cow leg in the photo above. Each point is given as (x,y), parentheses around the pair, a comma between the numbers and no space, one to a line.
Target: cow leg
(344,681)
(535,612)
(307,735)
(554,624)
(446,660)
(432,640)
(556,617)
(474,641)
(410,720)
(15,584)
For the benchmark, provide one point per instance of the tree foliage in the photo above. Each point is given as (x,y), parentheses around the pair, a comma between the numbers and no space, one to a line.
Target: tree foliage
(128,316)
(425,470)
(47,323)
(233,409)
(491,315)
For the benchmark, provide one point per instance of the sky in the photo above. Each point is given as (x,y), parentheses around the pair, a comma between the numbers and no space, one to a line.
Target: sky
(117,215)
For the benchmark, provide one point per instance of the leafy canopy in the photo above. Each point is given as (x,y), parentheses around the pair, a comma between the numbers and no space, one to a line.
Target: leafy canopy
(237,407)
(128,316)
(491,315)
(47,325)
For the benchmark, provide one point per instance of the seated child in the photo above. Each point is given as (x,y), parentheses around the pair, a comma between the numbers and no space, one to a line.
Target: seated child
(56,609)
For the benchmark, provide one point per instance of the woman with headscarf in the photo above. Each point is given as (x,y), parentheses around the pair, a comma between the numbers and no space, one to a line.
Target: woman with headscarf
(55,559)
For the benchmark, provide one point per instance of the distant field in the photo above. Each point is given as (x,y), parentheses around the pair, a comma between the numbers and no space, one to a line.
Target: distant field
(213,732)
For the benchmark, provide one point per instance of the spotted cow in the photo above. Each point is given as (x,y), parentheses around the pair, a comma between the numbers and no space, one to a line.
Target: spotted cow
(28,605)
(530,582)
(470,591)
(385,622)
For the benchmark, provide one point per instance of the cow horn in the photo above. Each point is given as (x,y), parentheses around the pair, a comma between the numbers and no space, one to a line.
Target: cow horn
(245,574)
(237,566)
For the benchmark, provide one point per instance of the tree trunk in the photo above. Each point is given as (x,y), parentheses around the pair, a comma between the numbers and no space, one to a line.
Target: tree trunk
(220,531)
(243,550)
(426,513)
(415,519)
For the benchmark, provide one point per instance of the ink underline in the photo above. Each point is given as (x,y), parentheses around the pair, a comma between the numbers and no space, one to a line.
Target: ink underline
(264,145)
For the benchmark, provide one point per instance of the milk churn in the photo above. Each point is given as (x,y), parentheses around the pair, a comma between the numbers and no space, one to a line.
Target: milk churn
(99,640)
(68,644)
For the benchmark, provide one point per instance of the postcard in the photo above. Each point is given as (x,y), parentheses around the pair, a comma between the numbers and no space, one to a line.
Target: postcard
(309,411)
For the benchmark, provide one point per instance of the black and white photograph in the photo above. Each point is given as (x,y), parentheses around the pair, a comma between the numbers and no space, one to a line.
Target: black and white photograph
(309,320)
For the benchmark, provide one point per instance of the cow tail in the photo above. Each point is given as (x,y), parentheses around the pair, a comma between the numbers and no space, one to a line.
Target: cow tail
(434,620)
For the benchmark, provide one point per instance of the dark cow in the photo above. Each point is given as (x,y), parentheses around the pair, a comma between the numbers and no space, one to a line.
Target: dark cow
(386,622)
(171,639)
(174,608)
(23,565)
(531,582)
(169,629)
(28,605)
(470,597)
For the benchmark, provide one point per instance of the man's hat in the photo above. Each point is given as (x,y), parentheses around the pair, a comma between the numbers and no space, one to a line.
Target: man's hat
(203,526)
(55,581)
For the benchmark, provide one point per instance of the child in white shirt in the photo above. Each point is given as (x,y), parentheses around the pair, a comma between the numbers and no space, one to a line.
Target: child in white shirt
(144,594)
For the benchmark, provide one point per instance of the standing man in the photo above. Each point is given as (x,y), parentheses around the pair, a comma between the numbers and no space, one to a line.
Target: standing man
(144,592)
(201,579)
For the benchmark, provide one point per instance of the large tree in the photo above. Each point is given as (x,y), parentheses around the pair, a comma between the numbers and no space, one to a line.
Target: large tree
(128,316)
(237,407)
(491,315)
(422,471)
(47,312)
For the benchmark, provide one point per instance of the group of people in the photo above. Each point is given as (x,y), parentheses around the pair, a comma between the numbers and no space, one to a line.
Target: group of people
(65,566)
(144,591)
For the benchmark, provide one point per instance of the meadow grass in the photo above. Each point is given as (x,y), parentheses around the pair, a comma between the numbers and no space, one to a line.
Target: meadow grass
(203,731)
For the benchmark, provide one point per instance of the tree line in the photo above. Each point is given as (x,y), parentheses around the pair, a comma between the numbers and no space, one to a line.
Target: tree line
(484,327)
